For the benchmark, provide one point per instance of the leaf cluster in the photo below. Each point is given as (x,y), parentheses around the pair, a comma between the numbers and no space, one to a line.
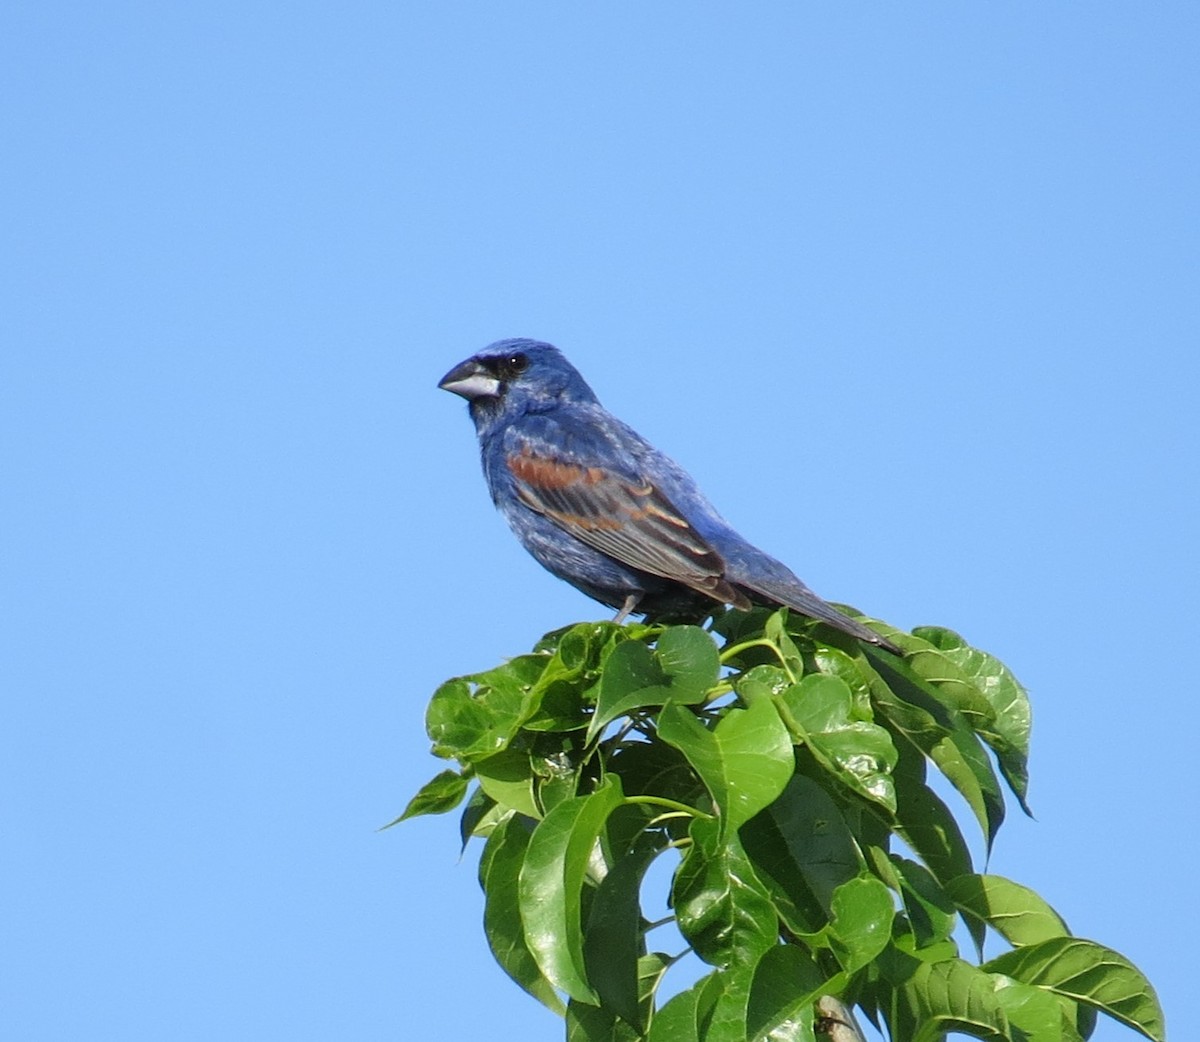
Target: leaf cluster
(784,771)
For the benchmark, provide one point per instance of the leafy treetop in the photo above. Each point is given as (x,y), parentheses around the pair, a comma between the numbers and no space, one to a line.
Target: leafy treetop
(778,763)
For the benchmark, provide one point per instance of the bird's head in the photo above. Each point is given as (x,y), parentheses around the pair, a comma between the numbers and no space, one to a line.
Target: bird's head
(512,377)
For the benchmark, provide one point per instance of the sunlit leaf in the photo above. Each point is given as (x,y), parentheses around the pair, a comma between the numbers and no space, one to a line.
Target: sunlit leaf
(786,979)
(1008,734)
(437,796)
(745,761)
(1089,973)
(860,754)
(1039,1014)
(551,884)
(721,907)
(1017,913)
(680,1019)
(862,921)
(681,668)
(499,869)
(508,778)
(931,998)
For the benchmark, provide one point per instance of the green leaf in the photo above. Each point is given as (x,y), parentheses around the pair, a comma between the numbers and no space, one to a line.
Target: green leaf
(682,668)
(744,762)
(862,922)
(727,1022)
(587,1023)
(499,870)
(476,716)
(721,907)
(802,850)
(1009,733)
(613,942)
(775,631)
(1017,913)
(961,758)
(479,817)
(1041,1015)
(761,682)
(916,709)
(657,769)
(930,999)
(786,980)
(508,778)
(836,663)
(1089,973)
(929,908)
(924,821)
(566,691)
(550,890)
(860,754)
(437,796)
(681,1018)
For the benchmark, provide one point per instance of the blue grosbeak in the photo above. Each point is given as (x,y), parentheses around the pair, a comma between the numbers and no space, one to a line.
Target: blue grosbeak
(600,507)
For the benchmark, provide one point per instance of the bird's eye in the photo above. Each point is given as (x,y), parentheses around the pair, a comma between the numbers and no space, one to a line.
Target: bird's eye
(513,365)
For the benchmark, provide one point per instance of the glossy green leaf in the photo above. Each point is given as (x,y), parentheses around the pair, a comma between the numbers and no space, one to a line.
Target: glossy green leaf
(437,796)
(476,716)
(564,694)
(776,632)
(479,817)
(1009,732)
(818,710)
(550,890)
(499,870)
(772,799)
(588,1023)
(862,921)
(786,980)
(836,663)
(1039,1014)
(721,907)
(1017,913)
(681,668)
(613,942)
(924,821)
(931,998)
(761,682)
(930,911)
(681,1018)
(802,850)
(507,777)
(744,762)
(1089,973)
(727,1021)
(916,708)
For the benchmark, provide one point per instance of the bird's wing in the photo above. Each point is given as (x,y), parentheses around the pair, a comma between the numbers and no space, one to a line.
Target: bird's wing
(627,518)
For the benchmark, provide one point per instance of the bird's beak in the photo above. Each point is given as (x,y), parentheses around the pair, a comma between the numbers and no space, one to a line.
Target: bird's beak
(470,380)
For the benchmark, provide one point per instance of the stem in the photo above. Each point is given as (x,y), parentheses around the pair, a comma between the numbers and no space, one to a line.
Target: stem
(762,642)
(664,817)
(682,809)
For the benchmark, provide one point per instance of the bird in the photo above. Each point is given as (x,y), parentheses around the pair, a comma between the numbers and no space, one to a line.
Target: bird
(598,506)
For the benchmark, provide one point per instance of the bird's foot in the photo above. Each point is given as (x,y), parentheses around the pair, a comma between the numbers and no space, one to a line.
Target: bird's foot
(631,602)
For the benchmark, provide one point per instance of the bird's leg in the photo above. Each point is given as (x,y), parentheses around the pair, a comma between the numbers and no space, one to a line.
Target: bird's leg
(631,602)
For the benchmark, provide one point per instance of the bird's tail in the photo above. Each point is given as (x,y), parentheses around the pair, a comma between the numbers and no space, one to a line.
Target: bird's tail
(799,598)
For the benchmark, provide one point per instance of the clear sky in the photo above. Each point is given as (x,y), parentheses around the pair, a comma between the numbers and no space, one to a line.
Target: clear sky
(911,289)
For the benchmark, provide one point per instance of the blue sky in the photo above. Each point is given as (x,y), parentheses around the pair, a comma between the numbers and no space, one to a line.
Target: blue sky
(910,289)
